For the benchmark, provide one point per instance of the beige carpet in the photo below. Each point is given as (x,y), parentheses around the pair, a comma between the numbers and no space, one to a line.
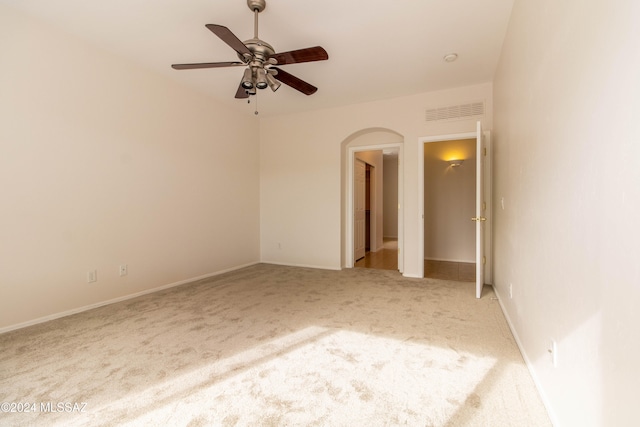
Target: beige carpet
(276,346)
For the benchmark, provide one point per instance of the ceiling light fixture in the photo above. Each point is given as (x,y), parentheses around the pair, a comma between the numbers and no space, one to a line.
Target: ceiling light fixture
(260,58)
(247,79)
(257,77)
(450,57)
(261,79)
(273,83)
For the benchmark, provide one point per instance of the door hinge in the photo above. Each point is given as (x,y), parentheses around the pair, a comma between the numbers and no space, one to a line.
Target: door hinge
(484,150)
(484,206)
(484,260)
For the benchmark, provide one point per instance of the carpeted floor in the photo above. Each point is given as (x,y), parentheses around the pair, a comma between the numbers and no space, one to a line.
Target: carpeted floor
(276,346)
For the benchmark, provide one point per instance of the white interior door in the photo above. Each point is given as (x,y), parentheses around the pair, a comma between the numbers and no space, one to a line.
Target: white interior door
(359,215)
(479,218)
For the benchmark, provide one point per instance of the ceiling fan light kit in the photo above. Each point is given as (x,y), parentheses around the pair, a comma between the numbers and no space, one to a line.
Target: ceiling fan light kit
(260,58)
(273,83)
(247,79)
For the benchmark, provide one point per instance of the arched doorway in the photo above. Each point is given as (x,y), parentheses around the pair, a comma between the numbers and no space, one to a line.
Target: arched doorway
(367,140)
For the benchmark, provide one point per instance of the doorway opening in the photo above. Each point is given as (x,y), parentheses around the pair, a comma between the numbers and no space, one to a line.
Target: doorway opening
(483,204)
(449,203)
(383,141)
(380,210)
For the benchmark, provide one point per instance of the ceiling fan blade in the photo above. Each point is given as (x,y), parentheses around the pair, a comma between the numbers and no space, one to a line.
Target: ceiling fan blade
(241,93)
(229,38)
(206,65)
(301,55)
(294,82)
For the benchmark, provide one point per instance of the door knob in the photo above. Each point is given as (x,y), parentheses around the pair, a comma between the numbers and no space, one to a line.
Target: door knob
(478,219)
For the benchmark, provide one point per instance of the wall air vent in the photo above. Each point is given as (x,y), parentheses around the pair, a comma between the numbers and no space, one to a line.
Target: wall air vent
(455,112)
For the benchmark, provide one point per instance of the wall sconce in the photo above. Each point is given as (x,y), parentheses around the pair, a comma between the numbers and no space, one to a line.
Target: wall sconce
(455,163)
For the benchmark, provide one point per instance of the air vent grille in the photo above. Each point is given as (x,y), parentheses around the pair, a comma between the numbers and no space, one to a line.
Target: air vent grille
(455,112)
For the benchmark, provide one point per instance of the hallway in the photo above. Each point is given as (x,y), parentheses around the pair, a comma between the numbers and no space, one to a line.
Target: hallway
(384,259)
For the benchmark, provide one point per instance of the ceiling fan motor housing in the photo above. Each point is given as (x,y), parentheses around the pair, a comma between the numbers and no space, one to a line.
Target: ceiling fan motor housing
(261,50)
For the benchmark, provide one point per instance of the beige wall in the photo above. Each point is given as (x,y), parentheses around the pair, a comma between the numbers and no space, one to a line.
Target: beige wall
(567,103)
(302,155)
(450,201)
(103,163)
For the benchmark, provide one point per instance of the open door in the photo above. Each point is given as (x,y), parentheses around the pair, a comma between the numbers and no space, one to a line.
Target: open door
(359,213)
(479,218)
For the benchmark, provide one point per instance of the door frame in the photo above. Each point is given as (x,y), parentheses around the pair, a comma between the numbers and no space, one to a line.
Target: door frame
(351,155)
(488,196)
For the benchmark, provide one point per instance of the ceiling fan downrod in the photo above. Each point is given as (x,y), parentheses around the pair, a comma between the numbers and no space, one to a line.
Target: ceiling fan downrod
(256,75)
(256,6)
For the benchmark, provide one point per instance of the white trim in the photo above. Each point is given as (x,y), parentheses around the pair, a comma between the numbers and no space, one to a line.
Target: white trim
(488,197)
(349,261)
(119,299)
(545,399)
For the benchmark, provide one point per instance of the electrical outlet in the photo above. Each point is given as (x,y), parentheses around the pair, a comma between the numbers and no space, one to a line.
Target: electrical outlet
(510,290)
(124,270)
(92,276)
(553,352)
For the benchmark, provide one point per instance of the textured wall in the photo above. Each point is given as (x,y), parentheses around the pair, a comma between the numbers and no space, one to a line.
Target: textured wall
(567,103)
(103,163)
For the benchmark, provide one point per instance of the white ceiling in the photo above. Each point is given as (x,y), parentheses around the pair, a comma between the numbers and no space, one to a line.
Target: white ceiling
(377,49)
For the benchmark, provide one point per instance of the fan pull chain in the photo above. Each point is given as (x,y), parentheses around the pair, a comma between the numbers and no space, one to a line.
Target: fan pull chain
(256,112)
(249,102)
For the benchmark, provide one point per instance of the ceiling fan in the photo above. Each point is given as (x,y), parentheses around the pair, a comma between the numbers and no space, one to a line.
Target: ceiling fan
(260,59)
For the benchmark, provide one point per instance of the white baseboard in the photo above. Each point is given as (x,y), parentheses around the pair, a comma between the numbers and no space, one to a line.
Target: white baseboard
(527,361)
(118,299)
